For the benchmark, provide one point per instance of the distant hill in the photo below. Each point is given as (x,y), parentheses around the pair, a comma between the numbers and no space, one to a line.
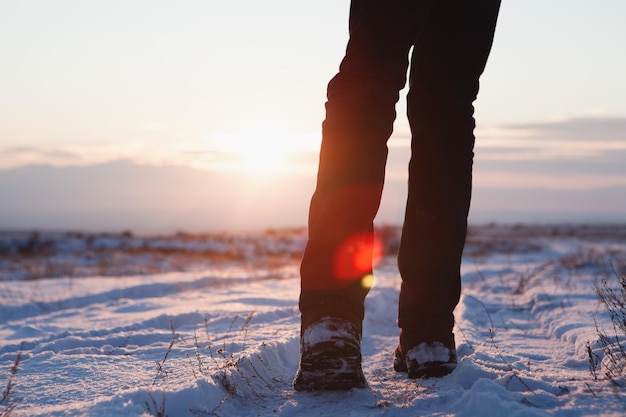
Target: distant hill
(124,195)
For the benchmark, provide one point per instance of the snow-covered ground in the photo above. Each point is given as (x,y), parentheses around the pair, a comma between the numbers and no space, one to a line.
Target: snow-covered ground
(222,338)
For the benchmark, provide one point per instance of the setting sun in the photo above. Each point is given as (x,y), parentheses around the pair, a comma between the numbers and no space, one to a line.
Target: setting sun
(261,150)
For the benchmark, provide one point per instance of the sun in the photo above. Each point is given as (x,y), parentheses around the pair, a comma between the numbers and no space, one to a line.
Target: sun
(262,153)
(263,150)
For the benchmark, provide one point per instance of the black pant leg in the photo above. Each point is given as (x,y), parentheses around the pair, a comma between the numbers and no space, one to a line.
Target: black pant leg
(449,56)
(360,112)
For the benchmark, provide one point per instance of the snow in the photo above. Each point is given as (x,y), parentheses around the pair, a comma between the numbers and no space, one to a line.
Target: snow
(429,352)
(223,338)
(326,330)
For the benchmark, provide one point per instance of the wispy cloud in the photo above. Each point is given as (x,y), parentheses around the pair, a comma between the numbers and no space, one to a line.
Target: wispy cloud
(550,181)
(16,156)
(576,154)
(582,152)
(567,139)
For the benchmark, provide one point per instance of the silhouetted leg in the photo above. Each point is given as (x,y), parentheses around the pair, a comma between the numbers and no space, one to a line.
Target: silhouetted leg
(449,56)
(359,116)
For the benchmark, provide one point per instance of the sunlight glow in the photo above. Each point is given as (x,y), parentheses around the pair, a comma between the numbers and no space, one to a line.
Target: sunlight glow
(261,150)
(263,155)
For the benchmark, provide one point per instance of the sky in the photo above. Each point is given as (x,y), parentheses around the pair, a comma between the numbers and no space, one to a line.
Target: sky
(239,87)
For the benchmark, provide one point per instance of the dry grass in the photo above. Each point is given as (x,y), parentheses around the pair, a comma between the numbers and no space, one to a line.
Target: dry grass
(8,402)
(612,363)
(32,255)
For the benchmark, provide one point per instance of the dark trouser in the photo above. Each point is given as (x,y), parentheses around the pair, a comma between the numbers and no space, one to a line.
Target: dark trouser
(451,40)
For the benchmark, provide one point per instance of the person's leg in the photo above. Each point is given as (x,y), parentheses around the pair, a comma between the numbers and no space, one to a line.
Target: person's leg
(338,257)
(449,56)
(359,117)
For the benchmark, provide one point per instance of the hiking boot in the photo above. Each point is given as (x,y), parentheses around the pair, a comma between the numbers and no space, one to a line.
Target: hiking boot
(426,360)
(330,356)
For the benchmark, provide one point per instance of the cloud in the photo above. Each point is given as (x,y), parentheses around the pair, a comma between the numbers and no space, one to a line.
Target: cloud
(124,195)
(603,129)
(16,156)
(553,181)
(579,154)
(577,138)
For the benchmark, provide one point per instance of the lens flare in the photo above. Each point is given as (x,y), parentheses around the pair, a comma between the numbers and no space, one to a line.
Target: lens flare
(368,281)
(357,255)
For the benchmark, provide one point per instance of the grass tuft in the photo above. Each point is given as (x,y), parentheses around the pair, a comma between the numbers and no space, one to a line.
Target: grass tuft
(612,364)
(8,401)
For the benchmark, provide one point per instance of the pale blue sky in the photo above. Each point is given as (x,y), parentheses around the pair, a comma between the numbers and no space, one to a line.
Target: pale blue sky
(556,59)
(223,84)
(102,79)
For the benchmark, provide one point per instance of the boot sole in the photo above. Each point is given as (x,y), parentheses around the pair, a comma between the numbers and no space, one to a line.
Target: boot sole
(427,370)
(329,374)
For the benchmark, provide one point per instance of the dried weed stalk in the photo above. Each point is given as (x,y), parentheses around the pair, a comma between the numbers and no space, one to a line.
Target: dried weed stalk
(613,362)
(8,401)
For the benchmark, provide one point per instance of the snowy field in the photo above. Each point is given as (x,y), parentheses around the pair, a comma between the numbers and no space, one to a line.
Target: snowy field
(97,325)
